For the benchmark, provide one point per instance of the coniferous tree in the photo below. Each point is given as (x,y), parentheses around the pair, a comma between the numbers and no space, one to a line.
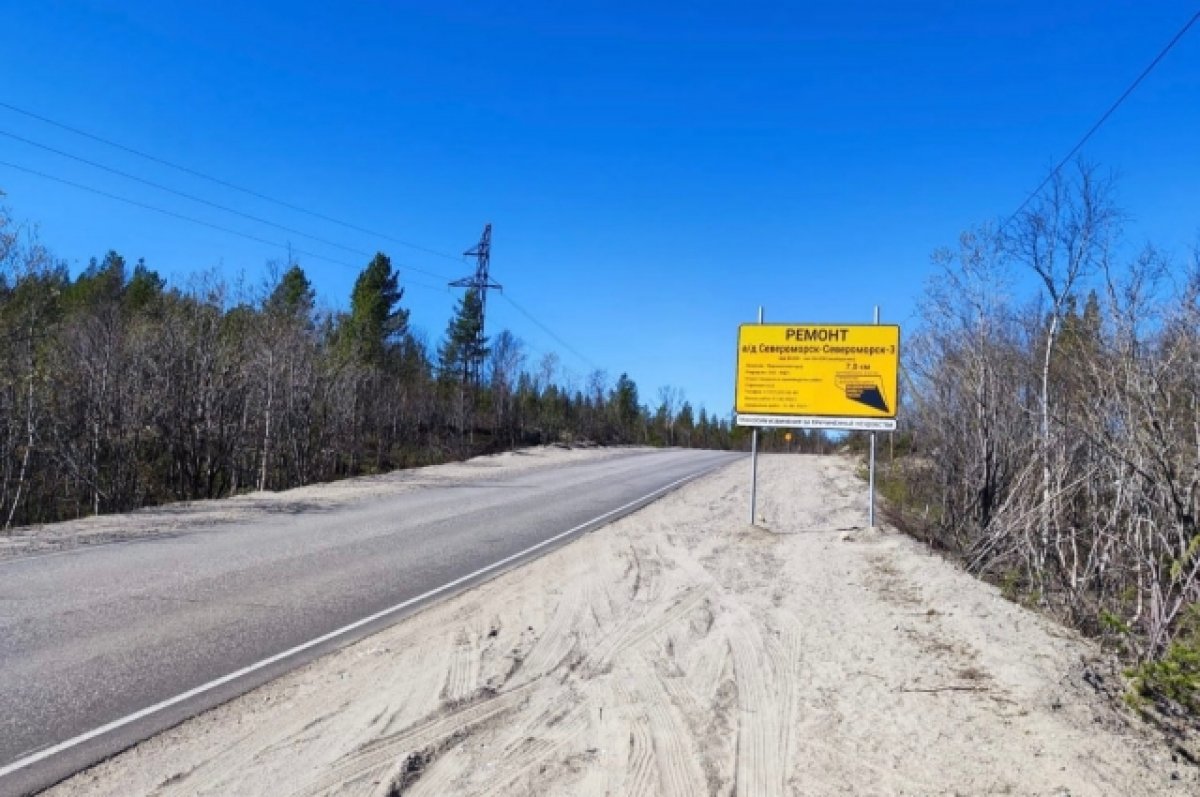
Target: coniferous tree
(144,287)
(376,319)
(460,352)
(293,296)
(625,406)
(119,391)
(463,346)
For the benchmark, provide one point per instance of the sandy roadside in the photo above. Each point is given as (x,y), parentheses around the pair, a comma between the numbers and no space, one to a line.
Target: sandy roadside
(680,652)
(188,515)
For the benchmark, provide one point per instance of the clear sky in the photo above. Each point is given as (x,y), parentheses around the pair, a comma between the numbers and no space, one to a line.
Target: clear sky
(654,171)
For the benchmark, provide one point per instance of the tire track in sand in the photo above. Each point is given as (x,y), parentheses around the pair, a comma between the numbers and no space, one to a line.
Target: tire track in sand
(378,756)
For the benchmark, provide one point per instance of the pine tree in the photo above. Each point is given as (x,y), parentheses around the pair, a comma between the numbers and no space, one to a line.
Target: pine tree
(101,282)
(375,318)
(293,296)
(145,286)
(625,404)
(685,423)
(463,346)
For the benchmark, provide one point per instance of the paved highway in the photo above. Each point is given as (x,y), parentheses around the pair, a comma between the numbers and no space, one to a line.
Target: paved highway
(118,635)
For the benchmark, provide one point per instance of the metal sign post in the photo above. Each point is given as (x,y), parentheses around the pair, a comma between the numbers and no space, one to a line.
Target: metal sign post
(754,455)
(871,477)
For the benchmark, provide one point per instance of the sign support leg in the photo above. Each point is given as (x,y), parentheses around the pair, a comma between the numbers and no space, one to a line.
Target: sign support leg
(871,485)
(871,467)
(754,455)
(753,472)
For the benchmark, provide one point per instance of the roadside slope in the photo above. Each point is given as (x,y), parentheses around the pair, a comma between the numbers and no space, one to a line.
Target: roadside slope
(680,652)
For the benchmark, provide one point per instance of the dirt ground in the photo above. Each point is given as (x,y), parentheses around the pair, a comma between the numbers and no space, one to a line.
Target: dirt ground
(680,651)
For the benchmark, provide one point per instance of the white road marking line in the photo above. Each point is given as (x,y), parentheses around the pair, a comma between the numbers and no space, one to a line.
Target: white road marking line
(42,755)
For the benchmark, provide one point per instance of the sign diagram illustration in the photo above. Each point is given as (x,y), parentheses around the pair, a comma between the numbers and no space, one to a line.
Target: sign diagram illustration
(864,388)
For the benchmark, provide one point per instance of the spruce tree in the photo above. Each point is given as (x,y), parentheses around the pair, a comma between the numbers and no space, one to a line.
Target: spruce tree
(375,316)
(463,346)
(293,296)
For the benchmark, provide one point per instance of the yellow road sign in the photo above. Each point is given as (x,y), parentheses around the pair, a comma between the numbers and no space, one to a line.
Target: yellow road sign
(817,375)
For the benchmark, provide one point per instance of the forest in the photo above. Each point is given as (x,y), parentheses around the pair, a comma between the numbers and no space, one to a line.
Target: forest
(119,390)
(1051,430)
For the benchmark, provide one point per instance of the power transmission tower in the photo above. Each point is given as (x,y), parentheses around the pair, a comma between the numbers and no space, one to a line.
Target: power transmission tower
(480,282)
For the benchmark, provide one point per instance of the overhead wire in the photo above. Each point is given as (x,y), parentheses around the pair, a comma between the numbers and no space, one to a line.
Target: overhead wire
(583,357)
(194,220)
(258,239)
(224,183)
(1104,117)
(333,220)
(249,192)
(202,200)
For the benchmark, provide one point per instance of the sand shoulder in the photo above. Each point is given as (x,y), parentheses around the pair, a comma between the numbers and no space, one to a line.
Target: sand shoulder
(679,651)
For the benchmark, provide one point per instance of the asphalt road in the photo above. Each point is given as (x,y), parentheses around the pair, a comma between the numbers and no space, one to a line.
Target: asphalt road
(94,635)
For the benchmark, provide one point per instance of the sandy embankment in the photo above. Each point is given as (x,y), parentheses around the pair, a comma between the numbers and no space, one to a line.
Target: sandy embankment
(681,652)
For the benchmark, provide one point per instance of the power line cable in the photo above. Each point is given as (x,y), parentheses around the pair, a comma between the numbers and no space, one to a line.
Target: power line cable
(248,192)
(203,201)
(225,183)
(200,222)
(1104,118)
(550,332)
(248,236)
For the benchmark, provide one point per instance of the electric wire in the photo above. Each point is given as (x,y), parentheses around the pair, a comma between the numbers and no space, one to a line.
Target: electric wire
(250,192)
(203,201)
(251,237)
(200,222)
(224,183)
(584,358)
(1104,117)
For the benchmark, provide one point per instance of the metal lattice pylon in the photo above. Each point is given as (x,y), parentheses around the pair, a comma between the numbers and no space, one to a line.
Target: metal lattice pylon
(481,282)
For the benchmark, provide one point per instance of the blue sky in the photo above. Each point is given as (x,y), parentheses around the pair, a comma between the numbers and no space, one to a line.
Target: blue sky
(654,171)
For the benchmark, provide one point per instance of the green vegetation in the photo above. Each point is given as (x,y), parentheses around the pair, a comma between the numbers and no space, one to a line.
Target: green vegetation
(1051,437)
(1176,675)
(118,390)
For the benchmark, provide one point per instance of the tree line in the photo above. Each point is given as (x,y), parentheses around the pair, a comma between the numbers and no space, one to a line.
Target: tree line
(118,390)
(1053,424)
